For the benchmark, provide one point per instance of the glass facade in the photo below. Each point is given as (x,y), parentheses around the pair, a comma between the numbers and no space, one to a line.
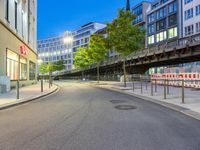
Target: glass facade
(12,65)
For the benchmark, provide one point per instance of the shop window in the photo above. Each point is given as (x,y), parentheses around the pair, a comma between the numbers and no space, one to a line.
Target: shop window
(23,68)
(12,65)
(32,70)
(172,32)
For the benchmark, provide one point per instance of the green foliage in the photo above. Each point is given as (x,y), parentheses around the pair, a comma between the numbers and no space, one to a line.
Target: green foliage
(97,48)
(82,60)
(51,67)
(43,68)
(123,36)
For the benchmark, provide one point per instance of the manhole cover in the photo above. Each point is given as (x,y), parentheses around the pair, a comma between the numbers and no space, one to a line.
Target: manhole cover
(125,107)
(117,101)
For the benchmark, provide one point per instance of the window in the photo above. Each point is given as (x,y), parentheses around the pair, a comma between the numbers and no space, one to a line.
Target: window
(198,27)
(7,10)
(15,15)
(32,70)
(151,39)
(161,36)
(151,17)
(172,20)
(188,1)
(22,23)
(198,10)
(12,65)
(188,13)
(189,30)
(161,13)
(151,28)
(160,25)
(172,7)
(172,32)
(23,68)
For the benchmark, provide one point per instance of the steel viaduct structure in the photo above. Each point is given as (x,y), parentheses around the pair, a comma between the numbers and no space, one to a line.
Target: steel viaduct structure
(182,51)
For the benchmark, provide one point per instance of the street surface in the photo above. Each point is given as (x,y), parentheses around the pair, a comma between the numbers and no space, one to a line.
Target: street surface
(81,117)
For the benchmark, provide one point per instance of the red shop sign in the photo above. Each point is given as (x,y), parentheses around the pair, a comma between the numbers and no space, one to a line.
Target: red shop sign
(23,50)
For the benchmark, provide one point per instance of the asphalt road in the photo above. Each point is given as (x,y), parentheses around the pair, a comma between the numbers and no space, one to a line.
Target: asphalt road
(80,117)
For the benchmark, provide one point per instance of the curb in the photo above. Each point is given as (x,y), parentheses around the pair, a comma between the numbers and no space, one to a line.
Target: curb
(174,107)
(24,101)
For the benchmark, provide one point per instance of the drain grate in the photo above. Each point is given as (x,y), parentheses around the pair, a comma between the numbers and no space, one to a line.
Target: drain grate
(125,107)
(117,101)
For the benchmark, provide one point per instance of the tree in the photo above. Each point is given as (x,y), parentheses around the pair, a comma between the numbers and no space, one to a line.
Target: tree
(82,60)
(43,68)
(124,37)
(97,50)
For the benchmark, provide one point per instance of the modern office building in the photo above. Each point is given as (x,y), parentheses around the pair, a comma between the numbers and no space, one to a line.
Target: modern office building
(57,48)
(18,30)
(63,47)
(82,36)
(163,23)
(190,18)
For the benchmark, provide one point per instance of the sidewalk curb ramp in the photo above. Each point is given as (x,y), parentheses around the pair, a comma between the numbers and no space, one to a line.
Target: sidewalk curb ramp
(30,99)
(174,107)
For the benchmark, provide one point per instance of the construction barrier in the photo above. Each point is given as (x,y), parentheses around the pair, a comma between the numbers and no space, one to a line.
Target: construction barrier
(192,80)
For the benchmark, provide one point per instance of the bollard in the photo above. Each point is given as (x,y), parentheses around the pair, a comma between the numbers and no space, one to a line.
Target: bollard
(42,89)
(183,92)
(141,87)
(155,85)
(151,88)
(133,86)
(165,97)
(146,85)
(17,88)
(168,87)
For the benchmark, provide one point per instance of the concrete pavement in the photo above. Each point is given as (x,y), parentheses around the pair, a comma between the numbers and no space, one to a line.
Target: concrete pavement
(80,117)
(27,94)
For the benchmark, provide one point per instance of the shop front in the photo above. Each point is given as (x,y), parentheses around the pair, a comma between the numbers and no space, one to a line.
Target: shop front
(17,60)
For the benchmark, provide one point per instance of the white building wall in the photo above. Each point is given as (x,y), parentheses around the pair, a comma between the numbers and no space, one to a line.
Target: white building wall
(22,19)
(192,21)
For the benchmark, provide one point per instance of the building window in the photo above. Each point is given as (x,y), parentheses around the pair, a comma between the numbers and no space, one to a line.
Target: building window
(172,20)
(172,32)
(7,10)
(32,70)
(16,15)
(12,65)
(188,14)
(161,13)
(160,25)
(189,30)
(198,27)
(188,1)
(151,28)
(23,68)
(151,18)
(161,36)
(151,39)
(198,10)
(172,7)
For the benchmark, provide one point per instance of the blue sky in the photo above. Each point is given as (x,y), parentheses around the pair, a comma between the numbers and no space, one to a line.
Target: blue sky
(54,17)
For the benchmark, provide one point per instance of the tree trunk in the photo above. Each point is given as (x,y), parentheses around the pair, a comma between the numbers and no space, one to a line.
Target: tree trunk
(98,78)
(124,68)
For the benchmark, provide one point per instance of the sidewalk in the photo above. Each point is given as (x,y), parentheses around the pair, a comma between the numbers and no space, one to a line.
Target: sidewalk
(174,99)
(27,94)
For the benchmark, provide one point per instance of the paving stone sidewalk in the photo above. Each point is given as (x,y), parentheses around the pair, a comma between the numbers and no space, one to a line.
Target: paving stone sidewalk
(192,96)
(26,94)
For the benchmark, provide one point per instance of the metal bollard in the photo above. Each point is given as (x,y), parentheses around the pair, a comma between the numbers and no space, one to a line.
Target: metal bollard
(168,87)
(165,95)
(151,88)
(183,92)
(42,88)
(141,88)
(133,86)
(17,88)
(155,85)
(146,85)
